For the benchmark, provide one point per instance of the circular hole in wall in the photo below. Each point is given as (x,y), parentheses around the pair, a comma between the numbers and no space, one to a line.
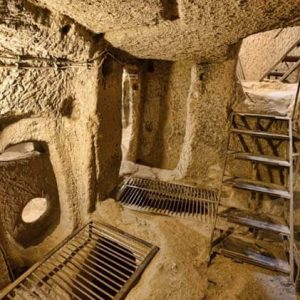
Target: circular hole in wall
(34,210)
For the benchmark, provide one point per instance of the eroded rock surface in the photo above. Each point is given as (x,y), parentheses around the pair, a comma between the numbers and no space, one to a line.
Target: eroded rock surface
(61,71)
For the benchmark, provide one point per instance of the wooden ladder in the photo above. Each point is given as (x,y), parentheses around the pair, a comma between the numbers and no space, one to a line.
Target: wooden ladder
(290,62)
(265,145)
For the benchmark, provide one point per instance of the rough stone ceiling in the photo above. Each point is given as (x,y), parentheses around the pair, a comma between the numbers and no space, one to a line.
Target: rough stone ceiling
(182,29)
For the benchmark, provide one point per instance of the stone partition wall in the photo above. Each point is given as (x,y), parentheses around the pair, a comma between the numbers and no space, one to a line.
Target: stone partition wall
(185,116)
(107,131)
(210,97)
(75,111)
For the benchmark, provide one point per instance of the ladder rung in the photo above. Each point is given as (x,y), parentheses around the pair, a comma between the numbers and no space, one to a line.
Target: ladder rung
(259,186)
(289,50)
(291,58)
(265,159)
(276,74)
(236,248)
(261,134)
(250,115)
(255,220)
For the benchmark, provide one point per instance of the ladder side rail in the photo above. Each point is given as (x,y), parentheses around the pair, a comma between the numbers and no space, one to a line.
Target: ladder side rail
(290,71)
(280,60)
(291,201)
(240,70)
(5,257)
(295,106)
(220,186)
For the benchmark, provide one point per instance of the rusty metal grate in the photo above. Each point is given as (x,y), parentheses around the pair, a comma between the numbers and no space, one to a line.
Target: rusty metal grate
(165,198)
(97,262)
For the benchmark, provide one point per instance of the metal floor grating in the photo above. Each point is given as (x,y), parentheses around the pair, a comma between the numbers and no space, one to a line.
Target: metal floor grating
(165,198)
(96,262)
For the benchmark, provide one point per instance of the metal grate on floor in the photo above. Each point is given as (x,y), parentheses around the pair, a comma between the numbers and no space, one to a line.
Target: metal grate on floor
(165,198)
(97,262)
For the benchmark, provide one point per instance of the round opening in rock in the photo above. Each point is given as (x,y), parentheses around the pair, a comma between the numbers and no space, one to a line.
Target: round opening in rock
(34,210)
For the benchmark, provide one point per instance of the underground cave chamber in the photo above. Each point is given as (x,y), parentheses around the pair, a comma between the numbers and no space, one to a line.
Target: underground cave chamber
(149,150)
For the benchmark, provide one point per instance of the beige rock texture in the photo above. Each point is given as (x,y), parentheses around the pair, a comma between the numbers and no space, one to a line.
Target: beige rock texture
(164,113)
(185,113)
(206,28)
(181,261)
(50,95)
(211,92)
(262,50)
(165,29)
(61,74)
(155,80)
(105,16)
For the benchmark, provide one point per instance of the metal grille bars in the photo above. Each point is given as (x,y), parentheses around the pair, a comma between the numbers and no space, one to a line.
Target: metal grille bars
(96,262)
(159,197)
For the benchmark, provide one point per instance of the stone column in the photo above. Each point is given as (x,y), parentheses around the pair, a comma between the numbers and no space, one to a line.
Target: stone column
(211,91)
(108,128)
(134,79)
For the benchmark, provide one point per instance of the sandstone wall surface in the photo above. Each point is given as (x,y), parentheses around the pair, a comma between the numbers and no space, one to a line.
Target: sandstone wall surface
(185,118)
(210,97)
(58,88)
(164,113)
(259,52)
(54,92)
